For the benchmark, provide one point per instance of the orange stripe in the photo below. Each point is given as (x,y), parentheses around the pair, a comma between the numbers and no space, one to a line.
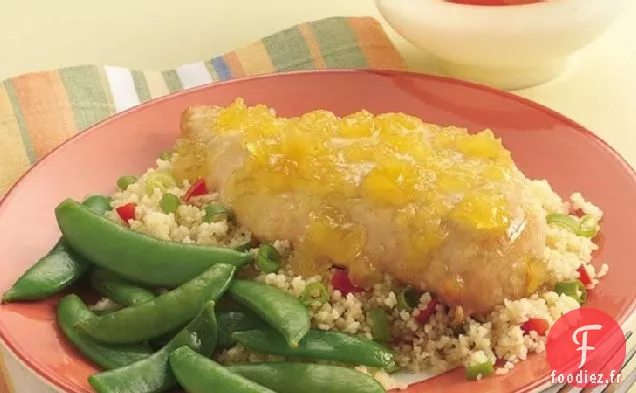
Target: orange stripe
(312,42)
(5,381)
(255,59)
(46,110)
(234,65)
(375,44)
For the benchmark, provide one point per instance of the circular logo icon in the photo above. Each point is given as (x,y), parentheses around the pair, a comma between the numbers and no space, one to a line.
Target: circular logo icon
(586,348)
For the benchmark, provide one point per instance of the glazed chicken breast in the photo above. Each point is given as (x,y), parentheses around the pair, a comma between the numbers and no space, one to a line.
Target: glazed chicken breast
(438,208)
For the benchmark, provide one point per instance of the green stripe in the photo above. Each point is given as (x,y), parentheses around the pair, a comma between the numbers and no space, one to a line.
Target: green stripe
(289,51)
(110,100)
(172,80)
(88,95)
(338,44)
(17,112)
(141,86)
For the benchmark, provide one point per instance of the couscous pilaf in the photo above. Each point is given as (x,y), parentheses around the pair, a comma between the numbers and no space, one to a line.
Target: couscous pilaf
(439,343)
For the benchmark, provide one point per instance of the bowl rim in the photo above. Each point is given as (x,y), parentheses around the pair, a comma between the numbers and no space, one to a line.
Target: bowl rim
(504,9)
(6,199)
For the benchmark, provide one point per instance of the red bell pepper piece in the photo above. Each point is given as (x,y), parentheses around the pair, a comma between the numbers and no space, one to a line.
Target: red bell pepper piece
(583,276)
(424,315)
(538,325)
(127,211)
(495,2)
(197,188)
(341,282)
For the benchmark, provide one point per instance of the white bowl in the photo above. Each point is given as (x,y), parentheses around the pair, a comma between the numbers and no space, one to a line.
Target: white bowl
(509,47)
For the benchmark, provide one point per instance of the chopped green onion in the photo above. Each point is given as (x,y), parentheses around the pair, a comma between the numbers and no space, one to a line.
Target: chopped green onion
(215,213)
(315,292)
(268,258)
(589,226)
(379,325)
(475,371)
(161,180)
(166,155)
(125,181)
(169,203)
(572,288)
(564,220)
(408,298)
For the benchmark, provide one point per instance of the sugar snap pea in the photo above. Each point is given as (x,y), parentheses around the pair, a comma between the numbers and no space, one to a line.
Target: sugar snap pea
(58,269)
(151,319)
(236,321)
(119,289)
(319,345)
(98,204)
(284,377)
(135,256)
(279,309)
(70,310)
(153,374)
(198,374)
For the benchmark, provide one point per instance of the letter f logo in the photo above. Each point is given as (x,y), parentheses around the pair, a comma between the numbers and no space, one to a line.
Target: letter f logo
(583,343)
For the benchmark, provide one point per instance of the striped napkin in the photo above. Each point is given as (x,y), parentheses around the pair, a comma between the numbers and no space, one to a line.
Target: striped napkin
(41,110)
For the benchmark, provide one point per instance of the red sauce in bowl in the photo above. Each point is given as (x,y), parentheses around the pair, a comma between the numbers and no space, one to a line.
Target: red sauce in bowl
(495,2)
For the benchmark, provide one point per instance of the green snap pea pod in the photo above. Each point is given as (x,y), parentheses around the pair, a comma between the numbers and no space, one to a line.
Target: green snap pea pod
(153,374)
(58,269)
(198,374)
(98,204)
(279,309)
(135,256)
(236,321)
(119,289)
(284,377)
(319,345)
(70,310)
(165,313)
